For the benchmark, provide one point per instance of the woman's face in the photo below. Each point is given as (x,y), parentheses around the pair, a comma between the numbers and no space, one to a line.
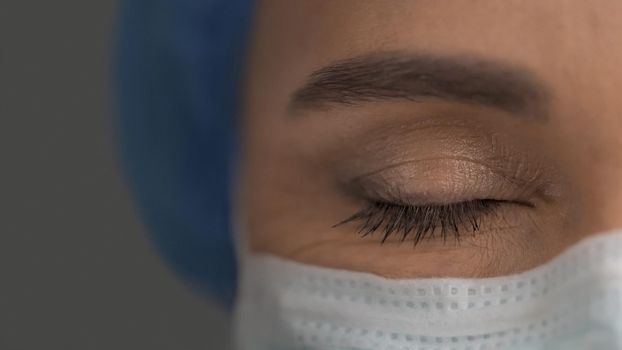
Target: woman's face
(432,138)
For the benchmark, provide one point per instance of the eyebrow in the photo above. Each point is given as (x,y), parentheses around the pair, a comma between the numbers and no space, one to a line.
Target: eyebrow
(394,76)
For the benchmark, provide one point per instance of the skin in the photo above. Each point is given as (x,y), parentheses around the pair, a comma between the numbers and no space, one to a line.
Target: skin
(304,172)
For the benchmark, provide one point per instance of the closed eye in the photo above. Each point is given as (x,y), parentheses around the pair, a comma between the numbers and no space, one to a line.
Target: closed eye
(433,221)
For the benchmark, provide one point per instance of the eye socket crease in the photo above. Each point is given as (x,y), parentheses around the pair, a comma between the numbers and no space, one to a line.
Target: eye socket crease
(383,76)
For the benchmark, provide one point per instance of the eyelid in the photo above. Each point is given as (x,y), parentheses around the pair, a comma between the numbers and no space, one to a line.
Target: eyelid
(441,181)
(421,222)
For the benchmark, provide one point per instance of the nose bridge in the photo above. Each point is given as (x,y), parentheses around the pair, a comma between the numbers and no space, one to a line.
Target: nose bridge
(587,121)
(604,174)
(601,178)
(590,142)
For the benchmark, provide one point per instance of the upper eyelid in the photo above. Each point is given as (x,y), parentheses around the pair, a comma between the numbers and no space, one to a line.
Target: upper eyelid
(511,179)
(400,144)
(415,190)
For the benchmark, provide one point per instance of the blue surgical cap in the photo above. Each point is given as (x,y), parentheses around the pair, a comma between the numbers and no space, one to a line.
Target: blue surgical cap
(178,68)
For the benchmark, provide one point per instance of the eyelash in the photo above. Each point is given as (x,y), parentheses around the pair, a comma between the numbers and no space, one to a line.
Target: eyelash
(422,222)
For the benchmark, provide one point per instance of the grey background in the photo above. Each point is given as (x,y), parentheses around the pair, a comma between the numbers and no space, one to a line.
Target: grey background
(76,268)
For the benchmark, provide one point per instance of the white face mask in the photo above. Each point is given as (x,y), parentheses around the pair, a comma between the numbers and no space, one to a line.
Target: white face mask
(572,302)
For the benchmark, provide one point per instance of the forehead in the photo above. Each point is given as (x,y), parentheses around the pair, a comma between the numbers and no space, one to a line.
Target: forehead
(572,44)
